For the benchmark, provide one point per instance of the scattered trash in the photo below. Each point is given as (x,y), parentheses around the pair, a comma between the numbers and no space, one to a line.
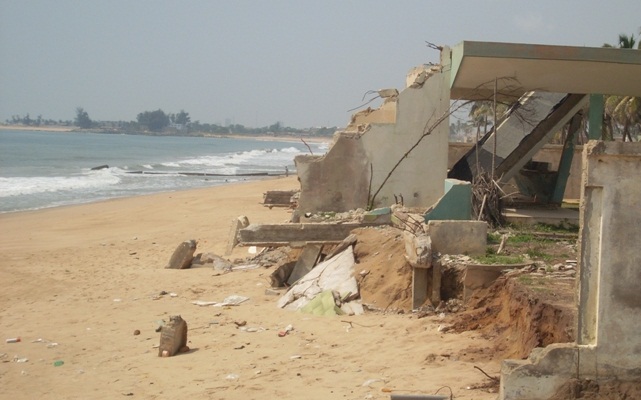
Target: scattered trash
(173,294)
(117,300)
(58,363)
(286,331)
(232,377)
(240,323)
(295,357)
(20,359)
(247,267)
(173,337)
(13,340)
(232,300)
(252,329)
(202,303)
(369,382)
(52,345)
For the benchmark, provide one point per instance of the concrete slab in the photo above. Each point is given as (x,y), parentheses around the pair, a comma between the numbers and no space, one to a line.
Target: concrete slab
(306,261)
(275,235)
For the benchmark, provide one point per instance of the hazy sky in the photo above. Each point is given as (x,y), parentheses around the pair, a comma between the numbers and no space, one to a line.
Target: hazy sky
(256,62)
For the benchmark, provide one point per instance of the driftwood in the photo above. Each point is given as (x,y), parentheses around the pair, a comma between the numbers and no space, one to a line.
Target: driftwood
(486,200)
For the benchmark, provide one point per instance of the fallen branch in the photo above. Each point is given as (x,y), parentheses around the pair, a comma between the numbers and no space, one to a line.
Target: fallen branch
(308,148)
(493,378)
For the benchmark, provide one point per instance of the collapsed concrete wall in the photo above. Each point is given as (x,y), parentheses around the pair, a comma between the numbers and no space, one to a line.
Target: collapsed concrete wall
(608,344)
(362,156)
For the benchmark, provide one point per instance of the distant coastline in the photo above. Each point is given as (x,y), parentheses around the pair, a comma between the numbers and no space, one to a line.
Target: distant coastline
(74,129)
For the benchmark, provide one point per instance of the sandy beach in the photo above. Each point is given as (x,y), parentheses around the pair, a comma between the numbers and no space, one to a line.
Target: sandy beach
(78,281)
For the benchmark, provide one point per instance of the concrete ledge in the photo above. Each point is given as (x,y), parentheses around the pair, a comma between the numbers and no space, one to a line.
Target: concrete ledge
(285,234)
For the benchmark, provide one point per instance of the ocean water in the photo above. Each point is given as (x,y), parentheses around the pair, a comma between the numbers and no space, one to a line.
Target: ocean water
(48,169)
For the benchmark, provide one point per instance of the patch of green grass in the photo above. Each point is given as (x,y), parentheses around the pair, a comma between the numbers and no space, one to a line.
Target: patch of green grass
(536,253)
(499,259)
(493,238)
(521,238)
(561,227)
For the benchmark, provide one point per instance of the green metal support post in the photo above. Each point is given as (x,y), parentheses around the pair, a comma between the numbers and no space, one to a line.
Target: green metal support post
(566,160)
(595,122)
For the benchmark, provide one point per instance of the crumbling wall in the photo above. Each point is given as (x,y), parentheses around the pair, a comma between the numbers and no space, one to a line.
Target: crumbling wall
(363,156)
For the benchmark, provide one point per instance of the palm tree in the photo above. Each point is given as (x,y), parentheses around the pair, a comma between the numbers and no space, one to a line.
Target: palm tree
(623,111)
(483,111)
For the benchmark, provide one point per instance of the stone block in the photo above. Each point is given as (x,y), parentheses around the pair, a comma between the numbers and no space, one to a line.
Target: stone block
(458,237)
(418,250)
(183,255)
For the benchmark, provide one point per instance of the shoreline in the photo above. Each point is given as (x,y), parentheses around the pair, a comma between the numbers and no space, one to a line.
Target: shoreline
(142,195)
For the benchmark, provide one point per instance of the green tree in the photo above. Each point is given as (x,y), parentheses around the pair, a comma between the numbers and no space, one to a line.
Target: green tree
(182,118)
(154,121)
(483,111)
(623,112)
(82,119)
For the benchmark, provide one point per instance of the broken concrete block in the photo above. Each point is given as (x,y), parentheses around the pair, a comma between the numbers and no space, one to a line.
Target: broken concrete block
(306,261)
(408,222)
(336,274)
(380,215)
(279,198)
(236,225)
(183,255)
(418,250)
(173,337)
(458,237)
(384,93)
(212,260)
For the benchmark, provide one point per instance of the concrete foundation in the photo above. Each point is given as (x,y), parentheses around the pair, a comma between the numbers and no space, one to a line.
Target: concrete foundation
(608,344)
